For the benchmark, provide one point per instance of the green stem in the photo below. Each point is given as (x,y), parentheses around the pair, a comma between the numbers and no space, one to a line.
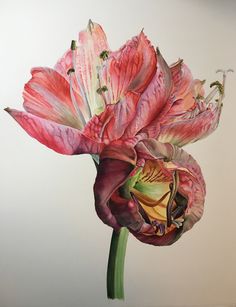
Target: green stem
(115,267)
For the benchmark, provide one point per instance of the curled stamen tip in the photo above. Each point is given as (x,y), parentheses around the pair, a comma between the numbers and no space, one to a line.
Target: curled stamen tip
(73,45)
(224,71)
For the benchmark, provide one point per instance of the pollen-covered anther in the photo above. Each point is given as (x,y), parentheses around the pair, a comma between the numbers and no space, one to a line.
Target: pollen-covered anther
(73,45)
(71,70)
(104,55)
(219,86)
(102,89)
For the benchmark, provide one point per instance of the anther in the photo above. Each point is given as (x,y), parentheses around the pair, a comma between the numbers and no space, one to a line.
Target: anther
(71,70)
(104,55)
(73,45)
(102,89)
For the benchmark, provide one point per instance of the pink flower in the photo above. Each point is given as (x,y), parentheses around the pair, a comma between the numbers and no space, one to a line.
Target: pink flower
(123,106)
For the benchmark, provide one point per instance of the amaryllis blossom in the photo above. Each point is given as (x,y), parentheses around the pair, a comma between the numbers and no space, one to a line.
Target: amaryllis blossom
(132,111)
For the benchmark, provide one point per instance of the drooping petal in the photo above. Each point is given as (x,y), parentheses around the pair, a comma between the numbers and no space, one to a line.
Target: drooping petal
(111,124)
(116,163)
(191,181)
(131,68)
(48,95)
(153,100)
(63,139)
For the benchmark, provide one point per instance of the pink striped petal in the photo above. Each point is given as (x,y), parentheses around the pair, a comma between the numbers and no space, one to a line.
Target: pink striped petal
(111,124)
(187,130)
(62,139)
(153,100)
(47,95)
(92,41)
(131,68)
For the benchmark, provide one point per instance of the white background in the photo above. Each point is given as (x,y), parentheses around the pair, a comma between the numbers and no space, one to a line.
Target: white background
(53,248)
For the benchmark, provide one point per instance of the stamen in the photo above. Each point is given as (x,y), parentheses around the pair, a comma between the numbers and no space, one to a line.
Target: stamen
(102,89)
(219,87)
(75,104)
(84,96)
(173,192)
(149,202)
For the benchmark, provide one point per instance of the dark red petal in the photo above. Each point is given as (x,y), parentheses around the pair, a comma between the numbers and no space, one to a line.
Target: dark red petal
(113,171)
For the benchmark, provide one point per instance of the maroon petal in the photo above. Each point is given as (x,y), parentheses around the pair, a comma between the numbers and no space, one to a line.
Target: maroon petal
(116,163)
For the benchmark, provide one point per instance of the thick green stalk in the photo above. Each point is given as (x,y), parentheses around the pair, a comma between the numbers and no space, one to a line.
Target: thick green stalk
(116,261)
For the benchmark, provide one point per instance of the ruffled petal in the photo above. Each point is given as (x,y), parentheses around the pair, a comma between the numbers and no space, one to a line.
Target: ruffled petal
(63,139)
(131,68)
(47,95)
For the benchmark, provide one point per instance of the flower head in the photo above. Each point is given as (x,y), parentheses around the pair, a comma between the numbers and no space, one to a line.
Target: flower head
(134,111)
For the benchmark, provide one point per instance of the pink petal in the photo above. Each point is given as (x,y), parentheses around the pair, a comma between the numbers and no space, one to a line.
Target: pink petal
(47,95)
(182,79)
(62,139)
(131,68)
(188,130)
(153,100)
(111,124)
(92,41)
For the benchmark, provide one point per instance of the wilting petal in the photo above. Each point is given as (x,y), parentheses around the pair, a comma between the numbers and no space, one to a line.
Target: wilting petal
(191,182)
(47,95)
(116,163)
(111,124)
(168,239)
(131,68)
(153,100)
(62,139)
